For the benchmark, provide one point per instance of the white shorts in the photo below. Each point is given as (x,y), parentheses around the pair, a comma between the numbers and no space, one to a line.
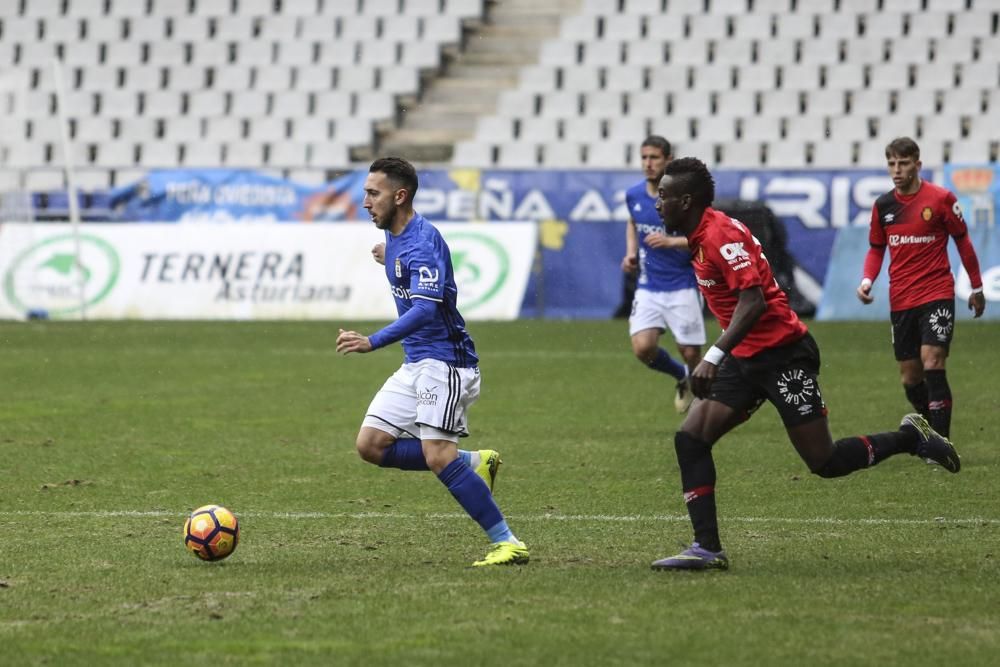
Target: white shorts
(427,400)
(679,311)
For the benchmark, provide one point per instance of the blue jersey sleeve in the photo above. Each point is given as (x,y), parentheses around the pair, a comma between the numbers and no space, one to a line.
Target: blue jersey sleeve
(412,320)
(428,271)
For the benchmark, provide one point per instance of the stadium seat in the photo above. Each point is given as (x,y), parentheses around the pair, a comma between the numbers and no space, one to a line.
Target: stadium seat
(244,154)
(472,154)
(201,154)
(761,128)
(115,154)
(537,129)
(583,127)
(963,102)
(934,76)
(517,155)
(159,154)
(788,154)
(316,78)
(869,102)
(225,128)
(741,154)
(494,129)
(137,129)
(849,128)
(969,151)
(562,154)
(731,51)
(623,78)
(606,154)
(181,128)
(833,153)
(624,129)
(915,102)
(826,102)
(272,129)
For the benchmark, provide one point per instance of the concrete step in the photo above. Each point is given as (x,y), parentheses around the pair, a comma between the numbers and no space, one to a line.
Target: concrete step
(480,58)
(502,45)
(421,121)
(471,106)
(418,153)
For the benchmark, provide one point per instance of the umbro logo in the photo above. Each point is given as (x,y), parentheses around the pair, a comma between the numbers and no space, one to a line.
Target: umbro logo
(889,217)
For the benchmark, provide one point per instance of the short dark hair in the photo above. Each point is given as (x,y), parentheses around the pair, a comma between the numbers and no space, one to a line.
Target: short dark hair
(695,179)
(902,147)
(656,141)
(399,171)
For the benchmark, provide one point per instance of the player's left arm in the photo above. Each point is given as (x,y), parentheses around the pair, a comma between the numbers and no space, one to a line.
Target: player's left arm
(750,305)
(955,224)
(664,241)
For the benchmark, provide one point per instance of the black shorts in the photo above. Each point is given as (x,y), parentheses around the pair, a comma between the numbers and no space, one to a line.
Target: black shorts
(931,323)
(787,376)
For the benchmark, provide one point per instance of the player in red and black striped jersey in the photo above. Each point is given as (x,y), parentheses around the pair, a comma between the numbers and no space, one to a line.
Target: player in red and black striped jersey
(914,220)
(765,353)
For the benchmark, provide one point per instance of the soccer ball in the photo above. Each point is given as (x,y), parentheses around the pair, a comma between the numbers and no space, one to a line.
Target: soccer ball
(211,532)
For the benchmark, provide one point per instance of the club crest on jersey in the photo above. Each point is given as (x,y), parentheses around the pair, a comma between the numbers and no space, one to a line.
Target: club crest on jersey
(927,214)
(399,268)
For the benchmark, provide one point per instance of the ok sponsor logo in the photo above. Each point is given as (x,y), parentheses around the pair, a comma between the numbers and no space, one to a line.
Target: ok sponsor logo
(736,255)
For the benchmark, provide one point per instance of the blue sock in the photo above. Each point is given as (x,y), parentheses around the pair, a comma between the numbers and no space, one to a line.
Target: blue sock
(666,364)
(405,454)
(500,533)
(473,495)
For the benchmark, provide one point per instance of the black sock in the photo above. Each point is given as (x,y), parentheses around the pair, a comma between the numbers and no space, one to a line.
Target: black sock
(916,394)
(698,484)
(939,401)
(864,451)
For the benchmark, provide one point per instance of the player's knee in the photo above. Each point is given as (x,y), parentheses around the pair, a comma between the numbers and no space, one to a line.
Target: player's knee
(689,448)
(832,467)
(368,449)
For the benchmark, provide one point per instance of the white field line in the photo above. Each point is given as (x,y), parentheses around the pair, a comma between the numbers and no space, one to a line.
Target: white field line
(581,518)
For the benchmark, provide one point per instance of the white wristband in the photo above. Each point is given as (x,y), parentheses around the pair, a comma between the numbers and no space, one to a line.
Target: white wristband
(714,356)
(866,283)
(977,290)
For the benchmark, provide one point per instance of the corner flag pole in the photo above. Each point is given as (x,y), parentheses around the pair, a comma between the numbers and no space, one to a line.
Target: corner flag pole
(74,205)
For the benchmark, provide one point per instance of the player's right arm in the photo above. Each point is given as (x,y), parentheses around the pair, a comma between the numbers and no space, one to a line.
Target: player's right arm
(631,260)
(750,305)
(873,260)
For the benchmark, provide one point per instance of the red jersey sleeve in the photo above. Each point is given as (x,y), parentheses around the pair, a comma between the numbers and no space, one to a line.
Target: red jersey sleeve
(876,233)
(952,216)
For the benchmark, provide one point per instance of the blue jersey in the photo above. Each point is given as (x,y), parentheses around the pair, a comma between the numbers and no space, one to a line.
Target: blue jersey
(660,269)
(418,266)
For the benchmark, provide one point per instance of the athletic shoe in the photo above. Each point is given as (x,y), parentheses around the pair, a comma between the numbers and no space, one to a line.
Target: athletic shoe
(505,553)
(933,447)
(489,466)
(683,398)
(694,558)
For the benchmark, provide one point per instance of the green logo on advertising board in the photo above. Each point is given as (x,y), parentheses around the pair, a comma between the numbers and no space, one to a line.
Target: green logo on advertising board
(47,275)
(481,267)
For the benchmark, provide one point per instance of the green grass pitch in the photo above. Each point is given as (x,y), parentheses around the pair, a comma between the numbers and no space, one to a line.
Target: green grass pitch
(111,432)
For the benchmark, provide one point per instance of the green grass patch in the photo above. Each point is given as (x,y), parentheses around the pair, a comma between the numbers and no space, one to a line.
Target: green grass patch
(111,432)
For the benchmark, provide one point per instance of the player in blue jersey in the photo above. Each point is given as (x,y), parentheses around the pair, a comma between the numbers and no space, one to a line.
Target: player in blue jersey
(415,420)
(666,294)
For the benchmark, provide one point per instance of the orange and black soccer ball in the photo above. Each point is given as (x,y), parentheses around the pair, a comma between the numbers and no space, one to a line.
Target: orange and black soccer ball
(211,532)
